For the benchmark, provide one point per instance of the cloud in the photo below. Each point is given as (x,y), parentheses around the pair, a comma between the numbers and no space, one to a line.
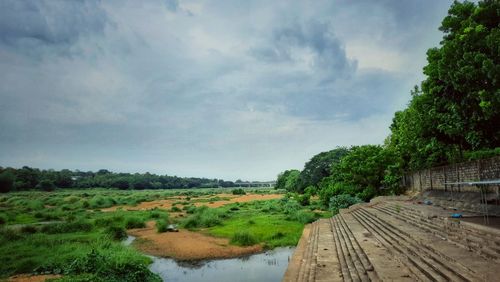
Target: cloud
(236,89)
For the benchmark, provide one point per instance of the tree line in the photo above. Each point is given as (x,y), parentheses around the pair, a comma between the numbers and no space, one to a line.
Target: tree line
(27,178)
(452,116)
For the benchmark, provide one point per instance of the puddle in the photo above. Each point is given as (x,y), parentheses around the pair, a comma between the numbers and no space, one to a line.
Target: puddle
(269,266)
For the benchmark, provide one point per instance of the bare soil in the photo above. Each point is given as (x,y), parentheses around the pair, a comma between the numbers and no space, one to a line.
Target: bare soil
(169,203)
(186,245)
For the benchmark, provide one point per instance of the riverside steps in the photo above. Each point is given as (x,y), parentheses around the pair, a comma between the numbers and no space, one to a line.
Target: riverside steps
(396,239)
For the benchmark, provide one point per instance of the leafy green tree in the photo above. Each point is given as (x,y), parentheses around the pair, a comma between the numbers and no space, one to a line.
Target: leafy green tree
(6,181)
(319,167)
(288,180)
(46,185)
(456,109)
(364,168)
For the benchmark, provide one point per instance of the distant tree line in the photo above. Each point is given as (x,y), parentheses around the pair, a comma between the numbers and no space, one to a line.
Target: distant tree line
(27,178)
(452,116)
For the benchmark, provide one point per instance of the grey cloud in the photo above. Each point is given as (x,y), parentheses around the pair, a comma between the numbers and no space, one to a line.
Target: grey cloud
(311,36)
(172,5)
(46,24)
(230,89)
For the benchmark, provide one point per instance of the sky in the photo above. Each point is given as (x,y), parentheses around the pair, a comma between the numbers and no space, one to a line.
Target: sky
(219,89)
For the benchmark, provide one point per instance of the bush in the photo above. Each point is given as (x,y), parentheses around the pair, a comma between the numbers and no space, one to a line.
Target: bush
(243,238)
(342,201)
(238,191)
(107,266)
(304,200)
(366,194)
(134,222)
(67,227)
(204,217)
(330,189)
(175,209)
(46,185)
(29,229)
(161,226)
(116,232)
(3,219)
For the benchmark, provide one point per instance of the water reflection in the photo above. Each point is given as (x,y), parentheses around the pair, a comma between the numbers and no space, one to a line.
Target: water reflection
(266,267)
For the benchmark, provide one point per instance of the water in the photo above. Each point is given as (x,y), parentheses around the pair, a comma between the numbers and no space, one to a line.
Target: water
(264,267)
(128,241)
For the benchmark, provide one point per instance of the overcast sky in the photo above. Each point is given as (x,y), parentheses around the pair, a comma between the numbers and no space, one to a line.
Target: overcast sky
(219,89)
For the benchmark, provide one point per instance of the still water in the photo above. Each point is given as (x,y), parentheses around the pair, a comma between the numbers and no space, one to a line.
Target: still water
(264,267)
(269,266)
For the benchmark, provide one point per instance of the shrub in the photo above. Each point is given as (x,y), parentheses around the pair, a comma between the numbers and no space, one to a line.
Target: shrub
(175,209)
(161,226)
(29,229)
(243,238)
(3,219)
(8,234)
(190,209)
(238,191)
(106,266)
(366,194)
(204,217)
(46,185)
(134,222)
(67,227)
(116,232)
(277,235)
(342,201)
(304,199)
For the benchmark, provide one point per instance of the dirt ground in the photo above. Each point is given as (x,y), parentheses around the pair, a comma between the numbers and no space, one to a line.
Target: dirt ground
(186,245)
(168,203)
(31,278)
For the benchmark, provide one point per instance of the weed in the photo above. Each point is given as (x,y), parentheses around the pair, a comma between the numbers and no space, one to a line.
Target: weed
(161,226)
(243,238)
(134,222)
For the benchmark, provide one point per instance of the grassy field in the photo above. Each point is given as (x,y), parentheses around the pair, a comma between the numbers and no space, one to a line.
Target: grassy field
(65,232)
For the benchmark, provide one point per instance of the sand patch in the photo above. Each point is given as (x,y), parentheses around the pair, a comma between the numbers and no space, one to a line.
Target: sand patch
(169,203)
(186,245)
(32,278)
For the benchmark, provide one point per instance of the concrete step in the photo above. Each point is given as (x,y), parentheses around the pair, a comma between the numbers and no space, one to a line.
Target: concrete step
(438,265)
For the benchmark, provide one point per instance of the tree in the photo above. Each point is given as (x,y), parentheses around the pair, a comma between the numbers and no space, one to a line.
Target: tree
(6,181)
(46,185)
(288,180)
(364,169)
(456,109)
(319,167)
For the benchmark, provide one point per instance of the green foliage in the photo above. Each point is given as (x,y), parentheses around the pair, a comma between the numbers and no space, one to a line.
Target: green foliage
(319,167)
(304,199)
(456,109)
(108,267)
(134,222)
(6,181)
(67,227)
(482,154)
(116,232)
(238,191)
(204,217)
(342,201)
(330,188)
(3,219)
(288,180)
(243,238)
(46,185)
(161,226)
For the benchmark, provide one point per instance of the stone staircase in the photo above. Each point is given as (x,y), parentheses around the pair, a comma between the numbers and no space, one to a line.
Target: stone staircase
(395,241)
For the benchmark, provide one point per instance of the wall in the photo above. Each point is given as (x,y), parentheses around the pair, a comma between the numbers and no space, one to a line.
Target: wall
(436,178)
